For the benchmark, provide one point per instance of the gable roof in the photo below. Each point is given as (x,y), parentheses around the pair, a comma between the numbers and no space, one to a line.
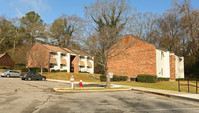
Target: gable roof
(160,48)
(54,48)
(74,51)
(1,55)
(64,50)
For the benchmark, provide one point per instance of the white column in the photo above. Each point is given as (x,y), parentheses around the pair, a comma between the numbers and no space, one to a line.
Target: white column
(68,62)
(85,62)
(92,63)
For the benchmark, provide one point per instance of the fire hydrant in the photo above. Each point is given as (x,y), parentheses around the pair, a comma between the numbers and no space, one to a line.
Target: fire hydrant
(80,83)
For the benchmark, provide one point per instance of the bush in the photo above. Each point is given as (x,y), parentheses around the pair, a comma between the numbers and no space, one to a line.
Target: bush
(5,67)
(147,78)
(119,78)
(115,78)
(24,70)
(83,72)
(34,69)
(179,79)
(63,70)
(19,66)
(103,78)
(53,70)
(163,79)
(56,70)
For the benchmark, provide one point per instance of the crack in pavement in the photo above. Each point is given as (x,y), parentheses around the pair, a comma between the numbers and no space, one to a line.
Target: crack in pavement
(36,109)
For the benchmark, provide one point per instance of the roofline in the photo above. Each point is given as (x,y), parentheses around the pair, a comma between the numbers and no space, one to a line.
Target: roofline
(3,55)
(44,46)
(160,48)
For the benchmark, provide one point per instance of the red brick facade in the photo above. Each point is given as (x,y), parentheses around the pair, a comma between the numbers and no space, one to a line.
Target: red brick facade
(40,54)
(172,67)
(76,64)
(139,58)
(6,60)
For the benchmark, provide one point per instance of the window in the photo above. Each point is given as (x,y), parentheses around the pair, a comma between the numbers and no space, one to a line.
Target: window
(161,71)
(162,54)
(53,55)
(62,66)
(81,57)
(63,55)
(81,66)
(52,65)
(88,58)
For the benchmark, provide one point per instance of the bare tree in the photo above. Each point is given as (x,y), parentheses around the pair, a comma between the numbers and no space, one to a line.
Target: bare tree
(110,18)
(37,58)
(66,28)
(189,25)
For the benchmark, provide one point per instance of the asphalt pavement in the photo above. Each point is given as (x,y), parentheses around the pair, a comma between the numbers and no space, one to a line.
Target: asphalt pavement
(17,96)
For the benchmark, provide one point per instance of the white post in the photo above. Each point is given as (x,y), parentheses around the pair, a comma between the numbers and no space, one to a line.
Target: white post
(71,85)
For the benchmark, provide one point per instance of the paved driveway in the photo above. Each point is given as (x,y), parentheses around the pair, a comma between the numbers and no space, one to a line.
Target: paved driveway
(17,96)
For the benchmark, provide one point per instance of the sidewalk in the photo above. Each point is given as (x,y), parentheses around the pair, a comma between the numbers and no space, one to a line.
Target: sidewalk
(168,93)
(171,94)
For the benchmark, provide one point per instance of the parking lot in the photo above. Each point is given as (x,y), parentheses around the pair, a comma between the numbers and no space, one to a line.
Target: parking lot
(17,96)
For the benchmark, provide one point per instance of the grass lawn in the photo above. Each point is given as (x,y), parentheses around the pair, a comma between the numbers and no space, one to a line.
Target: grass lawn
(85,77)
(165,85)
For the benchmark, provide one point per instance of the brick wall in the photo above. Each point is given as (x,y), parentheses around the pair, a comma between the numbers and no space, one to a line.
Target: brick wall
(139,58)
(38,55)
(172,67)
(76,64)
(6,60)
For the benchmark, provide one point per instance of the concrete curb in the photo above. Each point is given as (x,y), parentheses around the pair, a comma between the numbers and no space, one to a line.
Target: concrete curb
(167,93)
(64,81)
(170,95)
(68,90)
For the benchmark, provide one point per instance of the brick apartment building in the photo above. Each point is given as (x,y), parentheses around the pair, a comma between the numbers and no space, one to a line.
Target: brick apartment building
(6,60)
(144,58)
(57,58)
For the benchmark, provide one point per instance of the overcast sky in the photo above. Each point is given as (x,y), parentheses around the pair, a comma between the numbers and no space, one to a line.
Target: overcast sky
(49,10)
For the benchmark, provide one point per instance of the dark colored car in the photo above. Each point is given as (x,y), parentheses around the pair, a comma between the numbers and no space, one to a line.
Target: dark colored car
(32,76)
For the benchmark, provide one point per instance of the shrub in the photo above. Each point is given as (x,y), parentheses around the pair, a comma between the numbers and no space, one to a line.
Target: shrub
(5,67)
(163,79)
(115,78)
(63,70)
(179,79)
(53,70)
(57,70)
(34,69)
(83,72)
(19,66)
(119,78)
(103,78)
(24,70)
(147,78)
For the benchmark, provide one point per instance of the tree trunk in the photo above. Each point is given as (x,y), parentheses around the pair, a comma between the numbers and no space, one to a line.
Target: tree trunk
(41,70)
(108,81)
(28,69)
(13,50)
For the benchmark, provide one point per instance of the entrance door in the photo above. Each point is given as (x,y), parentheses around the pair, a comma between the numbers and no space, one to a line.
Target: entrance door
(72,63)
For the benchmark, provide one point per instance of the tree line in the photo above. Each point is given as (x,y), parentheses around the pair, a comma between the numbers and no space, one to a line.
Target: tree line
(105,22)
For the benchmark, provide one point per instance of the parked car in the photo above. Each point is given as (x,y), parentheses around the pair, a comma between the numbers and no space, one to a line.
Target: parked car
(32,76)
(9,73)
